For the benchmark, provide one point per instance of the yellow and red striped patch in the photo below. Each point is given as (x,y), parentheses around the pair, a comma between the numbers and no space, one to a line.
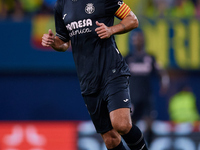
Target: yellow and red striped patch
(123,11)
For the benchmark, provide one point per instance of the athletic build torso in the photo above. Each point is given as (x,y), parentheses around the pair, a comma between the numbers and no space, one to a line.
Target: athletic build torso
(97,60)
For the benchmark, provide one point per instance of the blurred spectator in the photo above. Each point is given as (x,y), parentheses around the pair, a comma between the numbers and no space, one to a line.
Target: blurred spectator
(6,7)
(11,9)
(156,8)
(166,8)
(163,7)
(3,10)
(18,12)
(142,67)
(18,9)
(183,9)
(150,9)
(197,9)
(182,106)
(46,9)
(31,6)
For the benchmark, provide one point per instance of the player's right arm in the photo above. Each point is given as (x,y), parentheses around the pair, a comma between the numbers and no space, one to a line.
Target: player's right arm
(60,41)
(49,40)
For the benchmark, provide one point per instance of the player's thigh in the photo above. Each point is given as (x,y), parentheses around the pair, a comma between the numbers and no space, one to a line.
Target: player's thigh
(119,104)
(98,111)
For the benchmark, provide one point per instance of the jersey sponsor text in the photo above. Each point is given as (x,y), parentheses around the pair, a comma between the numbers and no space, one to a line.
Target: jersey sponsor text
(79,24)
(75,26)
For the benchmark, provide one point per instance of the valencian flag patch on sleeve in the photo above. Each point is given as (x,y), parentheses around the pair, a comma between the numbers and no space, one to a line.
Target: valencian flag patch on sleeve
(123,11)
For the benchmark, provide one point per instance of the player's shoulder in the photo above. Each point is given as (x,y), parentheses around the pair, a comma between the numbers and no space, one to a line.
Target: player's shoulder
(59,4)
(112,6)
(114,2)
(111,1)
(60,1)
(151,57)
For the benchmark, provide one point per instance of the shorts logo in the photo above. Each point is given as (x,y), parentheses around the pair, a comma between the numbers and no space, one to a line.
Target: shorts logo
(126,100)
(114,70)
(89,9)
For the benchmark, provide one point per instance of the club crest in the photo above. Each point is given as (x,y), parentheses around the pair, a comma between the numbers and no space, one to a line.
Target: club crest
(89,9)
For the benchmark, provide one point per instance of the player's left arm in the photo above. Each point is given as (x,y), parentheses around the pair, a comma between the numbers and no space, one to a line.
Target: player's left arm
(128,22)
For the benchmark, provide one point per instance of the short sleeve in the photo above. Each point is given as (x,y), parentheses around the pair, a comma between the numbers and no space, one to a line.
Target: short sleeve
(61,30)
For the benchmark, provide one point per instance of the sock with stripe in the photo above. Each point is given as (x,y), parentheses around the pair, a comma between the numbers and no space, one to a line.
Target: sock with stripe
(134,139)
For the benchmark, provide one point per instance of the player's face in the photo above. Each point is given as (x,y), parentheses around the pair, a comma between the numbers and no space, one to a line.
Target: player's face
(138,39)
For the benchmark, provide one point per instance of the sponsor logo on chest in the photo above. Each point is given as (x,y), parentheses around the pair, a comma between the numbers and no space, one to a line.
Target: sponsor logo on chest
(81,26)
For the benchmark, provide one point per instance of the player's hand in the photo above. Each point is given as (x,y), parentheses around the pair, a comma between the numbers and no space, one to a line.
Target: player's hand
(103,31)
(48,39)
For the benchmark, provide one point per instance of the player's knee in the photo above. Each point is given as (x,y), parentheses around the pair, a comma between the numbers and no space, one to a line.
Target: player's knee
(111,142)
(111,139)
(122,127)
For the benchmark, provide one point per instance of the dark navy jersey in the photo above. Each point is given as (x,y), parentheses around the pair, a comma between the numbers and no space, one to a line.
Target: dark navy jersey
(142,66)
(97,60)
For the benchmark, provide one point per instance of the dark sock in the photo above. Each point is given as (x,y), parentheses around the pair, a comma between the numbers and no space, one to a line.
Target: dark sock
(135,139)
(119,147)
(149,136)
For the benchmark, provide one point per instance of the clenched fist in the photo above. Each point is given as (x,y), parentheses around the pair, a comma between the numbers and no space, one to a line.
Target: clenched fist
(48,39)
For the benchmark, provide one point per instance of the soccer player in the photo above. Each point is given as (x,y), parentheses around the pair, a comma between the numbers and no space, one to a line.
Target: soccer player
(103,74)
(142,67)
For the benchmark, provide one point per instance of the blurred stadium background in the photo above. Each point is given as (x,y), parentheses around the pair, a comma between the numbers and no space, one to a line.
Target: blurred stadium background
(41,107)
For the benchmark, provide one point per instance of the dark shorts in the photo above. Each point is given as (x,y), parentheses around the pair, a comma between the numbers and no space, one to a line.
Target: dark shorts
(114,96)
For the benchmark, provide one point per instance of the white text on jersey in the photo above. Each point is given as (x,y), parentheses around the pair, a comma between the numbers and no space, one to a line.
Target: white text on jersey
(79,24)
